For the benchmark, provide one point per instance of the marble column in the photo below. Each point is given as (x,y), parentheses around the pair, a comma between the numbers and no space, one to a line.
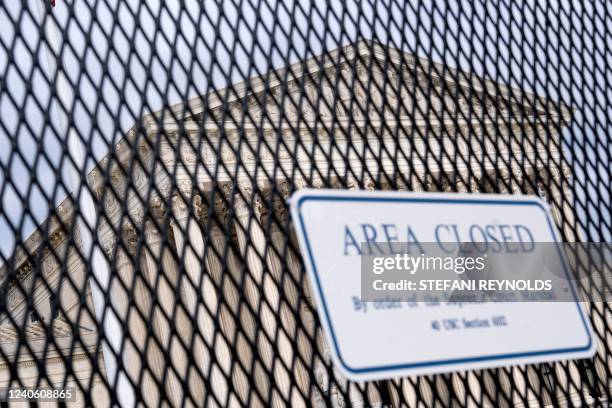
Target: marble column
(120,287)
(441,392)
(190,249)
(261,294)
(221,267)
(162,276)
(496,382)
(417,184)
(467,182)
(325,391)
(147,365)
(552,185)
(503,179)
(338,387)
(409,391)
(402,391)
(291,317)
(311,344)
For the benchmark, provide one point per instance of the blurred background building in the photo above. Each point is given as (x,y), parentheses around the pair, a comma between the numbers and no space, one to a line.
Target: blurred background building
(205,271)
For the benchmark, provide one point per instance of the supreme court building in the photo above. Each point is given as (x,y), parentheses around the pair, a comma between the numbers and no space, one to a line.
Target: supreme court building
(196,231)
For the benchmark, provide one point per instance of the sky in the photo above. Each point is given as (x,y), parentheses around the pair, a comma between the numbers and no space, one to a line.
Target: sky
(126,58)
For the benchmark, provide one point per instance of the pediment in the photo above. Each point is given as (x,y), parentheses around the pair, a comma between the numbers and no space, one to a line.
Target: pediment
(365,81)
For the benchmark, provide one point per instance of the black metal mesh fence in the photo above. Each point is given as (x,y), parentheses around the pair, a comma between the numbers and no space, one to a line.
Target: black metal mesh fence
(147,150)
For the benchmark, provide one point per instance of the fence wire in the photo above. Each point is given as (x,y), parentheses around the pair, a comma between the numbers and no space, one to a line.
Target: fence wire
(147,151)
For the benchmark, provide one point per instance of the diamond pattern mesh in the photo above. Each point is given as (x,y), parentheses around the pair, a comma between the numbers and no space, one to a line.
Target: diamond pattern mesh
(147,150)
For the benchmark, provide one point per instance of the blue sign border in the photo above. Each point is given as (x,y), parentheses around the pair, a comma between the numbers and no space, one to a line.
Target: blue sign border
(494,357)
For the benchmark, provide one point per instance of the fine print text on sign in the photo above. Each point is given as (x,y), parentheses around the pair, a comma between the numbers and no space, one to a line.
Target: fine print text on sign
(412,283)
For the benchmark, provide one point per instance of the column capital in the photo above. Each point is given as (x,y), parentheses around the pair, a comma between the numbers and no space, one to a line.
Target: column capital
(317,183)
(351,183)
(129,236)
(221,200)
(199,207)
(179,206)
(158,208)
(299,183)
(508,184)
(415,184)
(243,199)
(152,233)
(369,183)
(278,201)
(241,206)
(467,181)
(444,182)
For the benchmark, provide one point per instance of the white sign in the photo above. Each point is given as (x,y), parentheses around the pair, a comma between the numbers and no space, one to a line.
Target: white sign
(376,340)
